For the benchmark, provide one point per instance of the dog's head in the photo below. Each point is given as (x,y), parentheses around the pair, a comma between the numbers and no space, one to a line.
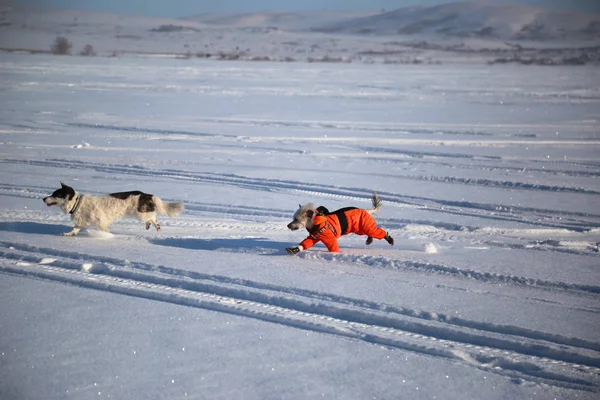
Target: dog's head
(63,197)
(303,217)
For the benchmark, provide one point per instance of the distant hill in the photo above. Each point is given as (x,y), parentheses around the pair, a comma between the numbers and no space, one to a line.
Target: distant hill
(458,32)
(475,19)
(282,20)
(30,19)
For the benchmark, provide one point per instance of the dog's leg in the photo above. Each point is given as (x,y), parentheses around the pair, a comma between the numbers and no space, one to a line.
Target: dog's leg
(153,222)
(74,232)
(103,228)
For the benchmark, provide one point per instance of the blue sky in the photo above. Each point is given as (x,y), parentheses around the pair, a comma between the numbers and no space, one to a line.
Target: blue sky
(183,8)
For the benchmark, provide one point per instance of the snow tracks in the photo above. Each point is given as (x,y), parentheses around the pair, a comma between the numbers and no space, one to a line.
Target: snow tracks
(523,355)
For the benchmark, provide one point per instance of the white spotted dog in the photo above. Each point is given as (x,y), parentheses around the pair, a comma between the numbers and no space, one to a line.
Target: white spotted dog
(101,211)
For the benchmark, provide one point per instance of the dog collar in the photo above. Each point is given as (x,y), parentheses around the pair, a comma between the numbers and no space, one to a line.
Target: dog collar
(76,206)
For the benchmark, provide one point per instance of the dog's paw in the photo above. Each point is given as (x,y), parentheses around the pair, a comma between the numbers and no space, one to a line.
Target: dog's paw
(389,239)
(148,225)
(293,250)
(68,234)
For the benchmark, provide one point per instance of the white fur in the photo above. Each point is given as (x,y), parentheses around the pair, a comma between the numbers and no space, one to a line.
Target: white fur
(101,211)
(303,217)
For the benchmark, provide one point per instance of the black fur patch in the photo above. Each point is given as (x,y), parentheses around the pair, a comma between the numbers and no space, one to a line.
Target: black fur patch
(322,210)
(65,192)
(145,203)
(126,195)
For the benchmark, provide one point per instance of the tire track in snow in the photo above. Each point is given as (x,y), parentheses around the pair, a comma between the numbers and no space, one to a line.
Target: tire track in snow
(577,221)
(500,184)
(366,260)
(136,129)
(215,283)
(578,371)
(430,157)
(485,277)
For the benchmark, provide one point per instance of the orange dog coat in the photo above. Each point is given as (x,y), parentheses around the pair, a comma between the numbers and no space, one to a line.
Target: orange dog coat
(328,228)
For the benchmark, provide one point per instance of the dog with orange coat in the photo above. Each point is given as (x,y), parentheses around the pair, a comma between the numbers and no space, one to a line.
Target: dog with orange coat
(327,227)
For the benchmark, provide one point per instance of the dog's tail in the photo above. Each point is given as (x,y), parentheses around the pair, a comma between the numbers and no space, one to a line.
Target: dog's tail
(376,204)
(169,209)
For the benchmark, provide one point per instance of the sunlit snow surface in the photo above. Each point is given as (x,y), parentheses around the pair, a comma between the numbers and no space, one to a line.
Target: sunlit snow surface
(490,183)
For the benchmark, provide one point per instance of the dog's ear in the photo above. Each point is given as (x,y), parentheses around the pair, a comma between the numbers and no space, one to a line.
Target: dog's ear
(299,205)
(69,191)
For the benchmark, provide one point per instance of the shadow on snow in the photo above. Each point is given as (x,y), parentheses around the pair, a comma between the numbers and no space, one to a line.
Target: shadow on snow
(33,227)
(260,245)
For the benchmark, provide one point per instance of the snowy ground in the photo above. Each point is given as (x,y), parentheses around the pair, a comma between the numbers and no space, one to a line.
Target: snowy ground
(490,182)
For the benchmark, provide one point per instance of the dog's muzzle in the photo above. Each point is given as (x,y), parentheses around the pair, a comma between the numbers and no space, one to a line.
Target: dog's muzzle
(49,201)
(293,226)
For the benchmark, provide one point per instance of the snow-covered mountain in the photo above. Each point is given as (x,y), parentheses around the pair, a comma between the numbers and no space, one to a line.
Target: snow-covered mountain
(470,31)
(282,20)
(476,19)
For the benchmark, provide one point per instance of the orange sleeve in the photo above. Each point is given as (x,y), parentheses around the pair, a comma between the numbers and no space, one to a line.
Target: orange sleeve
(327,237)
(332,245)
(308,242)
(330,241)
